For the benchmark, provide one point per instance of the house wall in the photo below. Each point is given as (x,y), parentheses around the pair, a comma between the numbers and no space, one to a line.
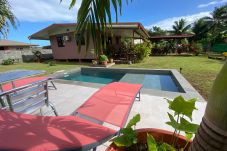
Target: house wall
(71,50)
(15,47)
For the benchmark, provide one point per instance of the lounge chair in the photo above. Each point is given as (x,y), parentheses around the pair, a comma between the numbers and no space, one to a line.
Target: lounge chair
(111,104)
(27,96)
(24,81)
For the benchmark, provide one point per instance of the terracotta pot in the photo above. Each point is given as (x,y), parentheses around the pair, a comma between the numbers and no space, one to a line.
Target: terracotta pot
(104,63)
(158,134)
(111,60)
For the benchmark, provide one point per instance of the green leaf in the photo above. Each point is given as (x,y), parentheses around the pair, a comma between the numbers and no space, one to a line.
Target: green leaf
(172,122)
(166,147)
(133,121)
(186,126)
(122,141)
(188,136)
(151,143)
(180,106)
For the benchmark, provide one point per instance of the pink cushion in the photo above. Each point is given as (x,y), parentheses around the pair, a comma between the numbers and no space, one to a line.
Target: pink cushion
(28,132)
(112,103)
(22,82)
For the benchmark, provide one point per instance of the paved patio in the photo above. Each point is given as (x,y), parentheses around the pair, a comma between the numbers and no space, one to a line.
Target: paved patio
(153,109)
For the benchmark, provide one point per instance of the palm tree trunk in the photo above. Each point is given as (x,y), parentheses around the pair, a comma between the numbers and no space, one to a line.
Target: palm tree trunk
(212,133)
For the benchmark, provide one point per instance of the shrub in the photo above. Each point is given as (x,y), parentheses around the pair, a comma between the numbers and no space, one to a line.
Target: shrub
(52,63)
(8,61)
(37,54)
(142,50)
(197,48)
(103,58)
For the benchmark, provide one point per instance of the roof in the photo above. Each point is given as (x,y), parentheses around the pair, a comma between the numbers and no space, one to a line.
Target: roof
(4,42)
(171,36)
(45,33)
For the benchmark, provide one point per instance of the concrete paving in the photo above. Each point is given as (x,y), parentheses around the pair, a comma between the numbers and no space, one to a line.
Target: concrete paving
(153,109)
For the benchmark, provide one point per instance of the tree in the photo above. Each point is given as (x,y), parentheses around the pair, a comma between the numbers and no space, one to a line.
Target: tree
(217,22)
(200,30)
(6,18)
(156,31)
(180,27)
(94,17)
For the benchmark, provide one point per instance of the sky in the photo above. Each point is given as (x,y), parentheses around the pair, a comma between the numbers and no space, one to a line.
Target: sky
(34,15)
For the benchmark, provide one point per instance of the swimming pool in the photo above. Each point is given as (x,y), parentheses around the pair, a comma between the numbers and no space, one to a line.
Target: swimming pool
(164,81)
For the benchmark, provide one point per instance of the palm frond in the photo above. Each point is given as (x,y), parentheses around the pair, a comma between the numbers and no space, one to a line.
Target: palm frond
(94,17)
(6,18)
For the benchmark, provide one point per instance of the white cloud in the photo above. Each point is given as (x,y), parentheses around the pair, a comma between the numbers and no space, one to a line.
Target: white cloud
(44,10)
(167,23)
(216,2)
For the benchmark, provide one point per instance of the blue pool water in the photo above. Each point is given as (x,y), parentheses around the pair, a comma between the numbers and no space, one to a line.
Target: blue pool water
(100,77)
(164,82)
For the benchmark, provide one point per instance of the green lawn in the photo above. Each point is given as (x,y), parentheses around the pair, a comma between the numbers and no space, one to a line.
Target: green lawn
(199,71)
(43,66)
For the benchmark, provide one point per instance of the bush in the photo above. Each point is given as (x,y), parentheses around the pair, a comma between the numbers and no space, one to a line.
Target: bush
(103,58)
(8,61)
(197,48)
(52,63)
(142,50)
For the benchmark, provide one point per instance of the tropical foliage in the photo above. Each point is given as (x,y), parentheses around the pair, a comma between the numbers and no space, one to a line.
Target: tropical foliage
(6,18)
(94,18)
(180,27)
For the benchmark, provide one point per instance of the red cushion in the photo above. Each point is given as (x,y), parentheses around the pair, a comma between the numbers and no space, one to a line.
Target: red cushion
(28,132)
(22,82)
(112,103)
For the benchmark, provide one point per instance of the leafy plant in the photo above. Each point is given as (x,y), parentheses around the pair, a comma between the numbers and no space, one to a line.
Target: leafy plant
(37,54)
(103,58)
(8,61)
(142,50)
(128,134)
(180,120)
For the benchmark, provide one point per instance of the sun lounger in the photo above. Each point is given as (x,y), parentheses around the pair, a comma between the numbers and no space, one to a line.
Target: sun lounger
(28,96)
(24,81)
(110,104)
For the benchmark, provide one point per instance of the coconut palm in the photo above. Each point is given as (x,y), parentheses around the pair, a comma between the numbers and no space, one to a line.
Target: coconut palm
(200,29)
(217,22)
(181,27)
(94,17)
(6,18)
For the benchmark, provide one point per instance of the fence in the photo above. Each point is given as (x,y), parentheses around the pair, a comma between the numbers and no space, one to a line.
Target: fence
(25,55)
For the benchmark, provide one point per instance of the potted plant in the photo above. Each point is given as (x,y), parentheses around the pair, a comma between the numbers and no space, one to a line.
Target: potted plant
(156,139)
(103,59)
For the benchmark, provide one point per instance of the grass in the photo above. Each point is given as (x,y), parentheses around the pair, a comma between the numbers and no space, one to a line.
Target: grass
(43,66)
(199,71)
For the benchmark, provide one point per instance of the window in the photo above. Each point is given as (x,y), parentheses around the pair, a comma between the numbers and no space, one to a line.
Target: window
(60,41)
(79,38)
(109,41)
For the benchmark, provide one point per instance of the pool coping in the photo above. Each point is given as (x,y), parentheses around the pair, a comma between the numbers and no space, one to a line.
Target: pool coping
(190,91)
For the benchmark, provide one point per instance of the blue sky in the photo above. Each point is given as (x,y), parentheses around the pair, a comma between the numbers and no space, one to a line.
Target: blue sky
(34,15)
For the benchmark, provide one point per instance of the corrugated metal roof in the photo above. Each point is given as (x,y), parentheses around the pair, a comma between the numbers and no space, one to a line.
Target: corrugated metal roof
(4,42)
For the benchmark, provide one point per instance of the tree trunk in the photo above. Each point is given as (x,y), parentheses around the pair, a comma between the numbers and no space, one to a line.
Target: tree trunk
(212,133)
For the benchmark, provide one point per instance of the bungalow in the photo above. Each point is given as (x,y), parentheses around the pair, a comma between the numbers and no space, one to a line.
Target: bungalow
(64,41)
(14,45)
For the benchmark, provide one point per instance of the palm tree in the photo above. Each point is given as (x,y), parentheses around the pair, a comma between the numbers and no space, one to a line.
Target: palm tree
(218,21)
(200,30)
(6,18)
(94,17)
(180,27)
